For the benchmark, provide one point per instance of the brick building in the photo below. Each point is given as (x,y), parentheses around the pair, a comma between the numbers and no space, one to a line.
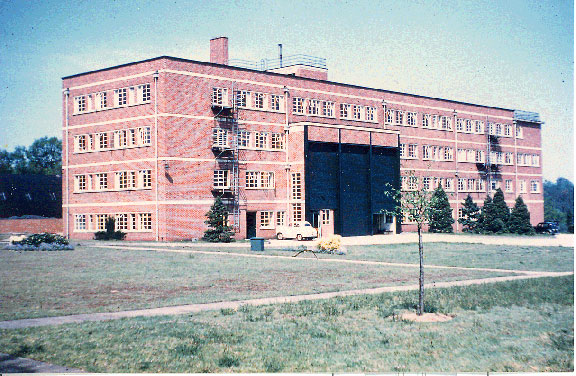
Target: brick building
(153,142)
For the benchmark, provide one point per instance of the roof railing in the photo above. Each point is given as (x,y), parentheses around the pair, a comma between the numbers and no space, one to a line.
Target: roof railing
(287,61)
(533,117)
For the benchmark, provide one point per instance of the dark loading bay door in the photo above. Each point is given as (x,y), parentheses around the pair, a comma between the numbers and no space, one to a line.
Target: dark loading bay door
(250,225)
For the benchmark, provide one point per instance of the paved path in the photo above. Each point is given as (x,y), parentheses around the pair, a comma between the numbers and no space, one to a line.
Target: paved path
(192,308)
(333,260)
(12,364)
(560,240)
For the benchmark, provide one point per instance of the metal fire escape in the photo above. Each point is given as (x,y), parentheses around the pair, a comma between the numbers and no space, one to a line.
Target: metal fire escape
(226,151)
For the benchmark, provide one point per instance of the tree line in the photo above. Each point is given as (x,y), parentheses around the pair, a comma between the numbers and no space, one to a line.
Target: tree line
(43,157)
(493,218)
(559,203)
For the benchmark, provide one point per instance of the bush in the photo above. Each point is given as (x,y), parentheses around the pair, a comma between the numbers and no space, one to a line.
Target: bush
(40,242)
(332,244)
(110,233)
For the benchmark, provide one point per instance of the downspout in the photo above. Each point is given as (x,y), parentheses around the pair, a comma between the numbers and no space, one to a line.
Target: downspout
(287,167)
(457,172)
(515,159)
(67,229)
(155,76)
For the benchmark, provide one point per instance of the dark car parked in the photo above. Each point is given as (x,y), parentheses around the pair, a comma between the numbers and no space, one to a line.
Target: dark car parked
(547,228)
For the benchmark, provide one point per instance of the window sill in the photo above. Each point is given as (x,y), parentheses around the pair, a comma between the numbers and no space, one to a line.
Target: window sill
(113,190)
(112,149)
(263,189)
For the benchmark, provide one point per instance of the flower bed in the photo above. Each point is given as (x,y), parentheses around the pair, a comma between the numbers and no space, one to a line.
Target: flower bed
(40,242)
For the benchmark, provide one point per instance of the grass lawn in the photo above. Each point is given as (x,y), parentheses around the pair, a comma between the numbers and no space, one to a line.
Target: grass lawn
(523,326)
(39,284)
(552,259)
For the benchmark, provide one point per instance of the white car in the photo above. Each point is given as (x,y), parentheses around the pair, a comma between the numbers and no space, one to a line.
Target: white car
(298,230)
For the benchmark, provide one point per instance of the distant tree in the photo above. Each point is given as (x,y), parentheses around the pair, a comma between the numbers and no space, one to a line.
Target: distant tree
(218,230)
(558,202)
(501,210)
(415,206)
(489,221)
(440,212)
(45,156)
(519,222)
(470,215)
(5,162)
(570,221)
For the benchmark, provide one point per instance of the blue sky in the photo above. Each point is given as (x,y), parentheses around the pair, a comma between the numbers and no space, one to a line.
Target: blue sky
(512,54)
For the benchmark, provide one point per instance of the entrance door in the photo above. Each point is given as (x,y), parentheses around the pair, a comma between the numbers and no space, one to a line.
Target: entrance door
(250,225)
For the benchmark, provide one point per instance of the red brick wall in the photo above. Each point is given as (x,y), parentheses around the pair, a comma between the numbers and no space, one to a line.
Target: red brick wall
(31,226)
(185,124)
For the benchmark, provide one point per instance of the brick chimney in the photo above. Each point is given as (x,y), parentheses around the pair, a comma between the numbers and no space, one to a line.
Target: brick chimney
(219,50)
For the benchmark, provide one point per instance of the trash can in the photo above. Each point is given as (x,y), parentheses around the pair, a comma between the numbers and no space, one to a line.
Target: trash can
(257,244)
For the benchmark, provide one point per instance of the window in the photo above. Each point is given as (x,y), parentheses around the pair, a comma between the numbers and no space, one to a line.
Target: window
(80,183)
(101,221)
(258,99)
(119,139)
(277,141)
(281,218)
(275,102)
(508,158)
(389,116)
(459,125)
(260,140)
(344,111)
(403,148)
(491,128)
(468,126)
(411,118)
(426,121)
(244,139)
(219,96)
(479,126)
(446,123)
(449,184)
(266,219)
(534,186)
(144,135)
(324,216)
(357,112)
(370,113)
(143,93)
(536,160)
(259,180)
(80,143)
(219,138)
(498,129)
(519,132)
(328,109)
(461,184)
(509,186)
(522,186)
(145,178)
(221,179)
(122,180)
(121,97)
(399,119)
(297,212)
(145,221)
(296,186)
(426,152)
(101,100)
(121,222)
(313,107)
(298,105)
(79,104)
(471,185)
(241,98)
(494,185)
(448,153)
(508,130)
(102,181)
(80,222)
(412,183)
(413,151)
(426,183)
(479,156)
